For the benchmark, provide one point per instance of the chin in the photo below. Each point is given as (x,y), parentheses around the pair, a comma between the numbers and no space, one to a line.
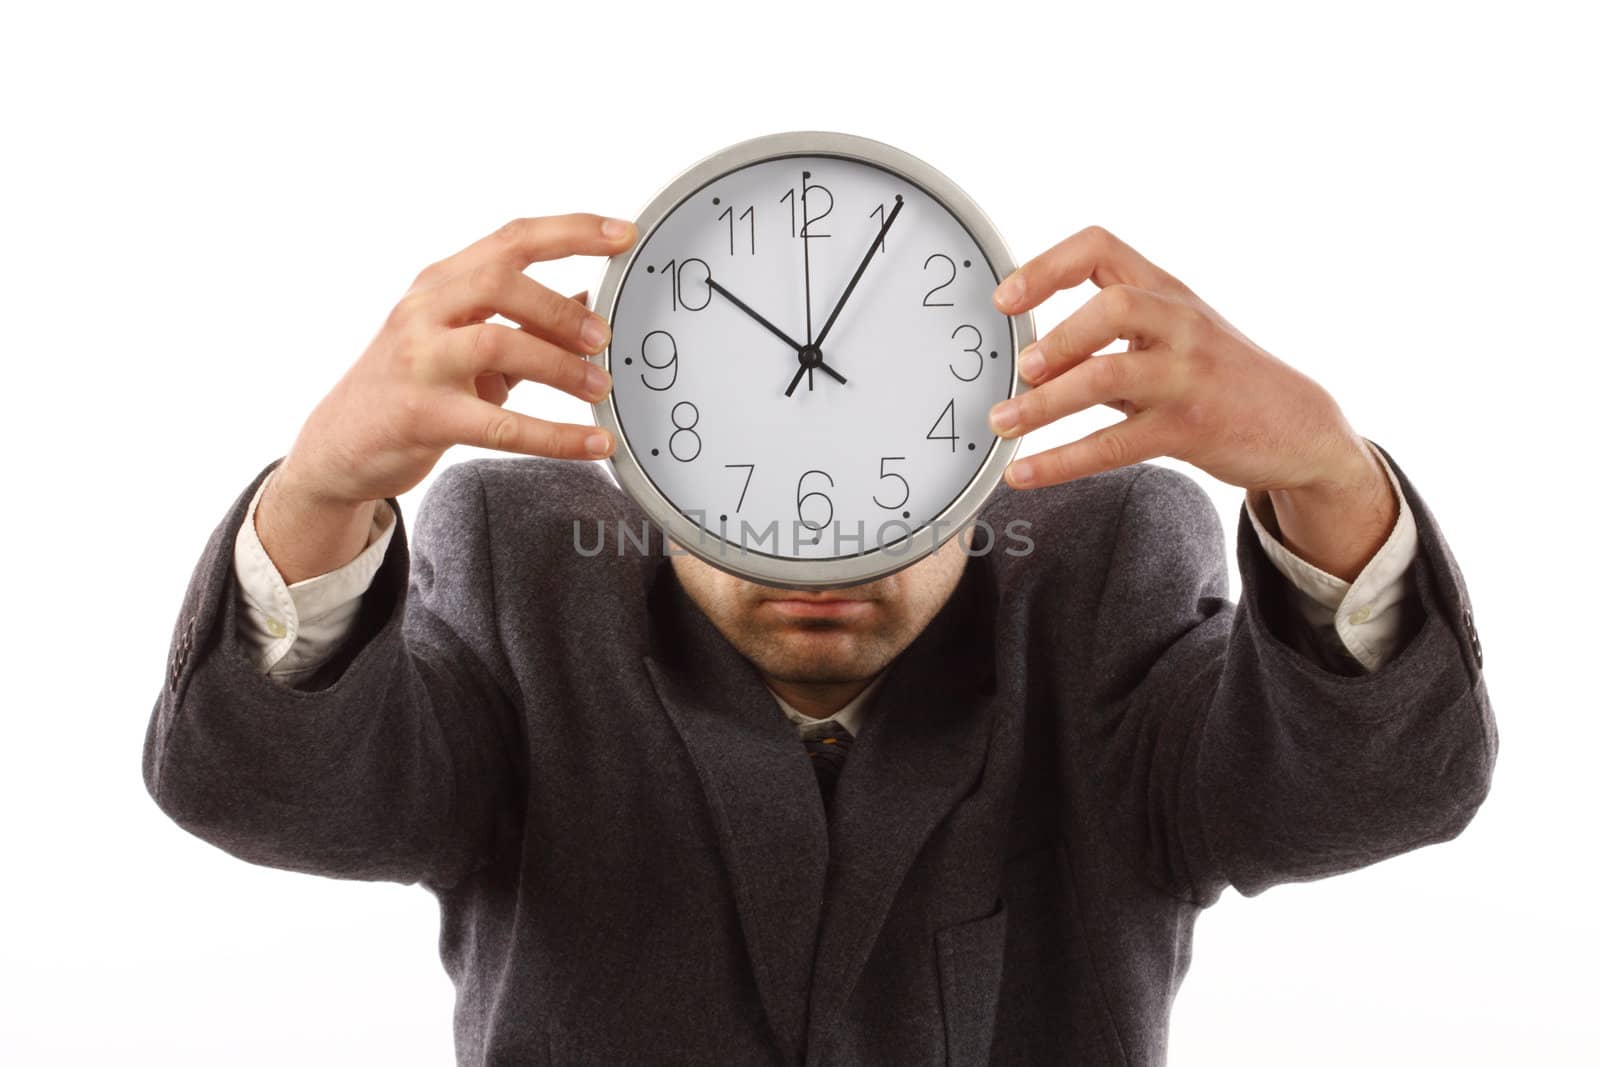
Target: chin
(817,655)
(817,643)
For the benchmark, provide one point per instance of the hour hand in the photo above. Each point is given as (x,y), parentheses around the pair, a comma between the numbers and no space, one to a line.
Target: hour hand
(748,310)
(810,355)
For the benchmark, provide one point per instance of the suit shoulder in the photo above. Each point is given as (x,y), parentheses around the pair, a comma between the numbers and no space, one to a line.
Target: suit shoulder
(1092,498)
(1090,520)
(1166,494)
(537,488)
(559,525)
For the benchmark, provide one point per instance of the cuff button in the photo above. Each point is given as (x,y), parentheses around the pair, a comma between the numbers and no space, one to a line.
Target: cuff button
(1472,635)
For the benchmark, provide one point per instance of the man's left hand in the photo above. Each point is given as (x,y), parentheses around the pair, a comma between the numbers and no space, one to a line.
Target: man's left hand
(1192,387)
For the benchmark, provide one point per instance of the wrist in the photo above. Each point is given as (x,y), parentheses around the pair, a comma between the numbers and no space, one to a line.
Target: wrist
(1338,520)
(309,493)
(305,533)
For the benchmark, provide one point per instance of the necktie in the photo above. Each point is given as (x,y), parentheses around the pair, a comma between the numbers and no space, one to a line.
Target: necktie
(827,743)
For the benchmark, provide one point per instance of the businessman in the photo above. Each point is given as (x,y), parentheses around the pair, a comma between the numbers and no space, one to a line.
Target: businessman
(965,814)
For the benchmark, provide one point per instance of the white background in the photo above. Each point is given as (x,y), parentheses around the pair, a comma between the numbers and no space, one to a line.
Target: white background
(208,211)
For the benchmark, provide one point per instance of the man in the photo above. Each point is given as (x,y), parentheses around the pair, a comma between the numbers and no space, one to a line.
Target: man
(964,814)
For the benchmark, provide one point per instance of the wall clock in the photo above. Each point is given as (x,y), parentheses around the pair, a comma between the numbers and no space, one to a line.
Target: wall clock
(804,353)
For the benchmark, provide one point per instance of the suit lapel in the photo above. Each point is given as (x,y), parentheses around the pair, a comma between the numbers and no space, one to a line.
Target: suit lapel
(762,795)
(921,749)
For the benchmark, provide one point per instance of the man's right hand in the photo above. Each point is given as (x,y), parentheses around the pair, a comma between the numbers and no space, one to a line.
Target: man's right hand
(436,375)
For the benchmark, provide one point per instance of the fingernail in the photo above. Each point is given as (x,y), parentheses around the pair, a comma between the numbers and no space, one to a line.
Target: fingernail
(598,443)
(1020,474)
(595,333)
(615,228)
(1032,363)
(1003,417)
(1010,292)
(597,381)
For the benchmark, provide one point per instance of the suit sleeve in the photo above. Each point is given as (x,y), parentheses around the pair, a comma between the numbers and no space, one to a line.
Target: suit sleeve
(393,760)
(1233,758)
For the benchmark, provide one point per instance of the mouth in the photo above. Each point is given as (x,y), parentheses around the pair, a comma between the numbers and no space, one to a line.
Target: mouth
(835,606)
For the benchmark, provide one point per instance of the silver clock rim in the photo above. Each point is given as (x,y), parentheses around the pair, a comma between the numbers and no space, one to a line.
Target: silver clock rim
(791,572)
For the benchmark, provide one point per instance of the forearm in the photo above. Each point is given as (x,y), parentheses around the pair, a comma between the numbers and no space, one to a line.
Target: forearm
(394,769)
(1254,765)
(306,535)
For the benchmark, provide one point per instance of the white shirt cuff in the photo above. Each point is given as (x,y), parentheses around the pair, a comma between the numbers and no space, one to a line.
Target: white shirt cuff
(291,630)
(1365,614)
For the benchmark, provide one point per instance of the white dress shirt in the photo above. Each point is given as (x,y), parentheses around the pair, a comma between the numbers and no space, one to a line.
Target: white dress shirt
(848,716)
(290,630)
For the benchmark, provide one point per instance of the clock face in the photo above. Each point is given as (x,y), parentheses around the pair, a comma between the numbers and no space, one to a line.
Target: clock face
(804,354)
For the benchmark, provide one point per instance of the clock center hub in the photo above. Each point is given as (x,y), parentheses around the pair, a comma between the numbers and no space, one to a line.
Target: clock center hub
(810,356)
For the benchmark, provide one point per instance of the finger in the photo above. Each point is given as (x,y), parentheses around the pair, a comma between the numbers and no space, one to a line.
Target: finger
(512,380)
(1090,254)
(582,300)
(496,386)
(531,240)
(1133,440)
(486,347)
(470,421)
(1140,377)
(501,289)
(1116,312)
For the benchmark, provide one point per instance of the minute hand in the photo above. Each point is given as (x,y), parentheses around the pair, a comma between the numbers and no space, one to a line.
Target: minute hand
(877,242)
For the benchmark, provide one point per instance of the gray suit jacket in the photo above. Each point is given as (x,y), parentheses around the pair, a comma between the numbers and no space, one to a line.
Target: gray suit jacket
(627,843)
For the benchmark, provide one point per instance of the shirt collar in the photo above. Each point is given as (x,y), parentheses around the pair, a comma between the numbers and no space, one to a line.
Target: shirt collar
(848,716)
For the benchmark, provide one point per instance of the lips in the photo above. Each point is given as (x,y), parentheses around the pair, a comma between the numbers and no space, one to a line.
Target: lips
(819,605)
(816,598)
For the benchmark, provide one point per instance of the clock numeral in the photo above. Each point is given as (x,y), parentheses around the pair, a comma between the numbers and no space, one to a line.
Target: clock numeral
(949,412)
(885,475)
(672,361)
(677,270)
(749,469)
(883,216)
(927,300)
(801,497)
(686,427)
(807,192)
(976,350)
(749,212)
